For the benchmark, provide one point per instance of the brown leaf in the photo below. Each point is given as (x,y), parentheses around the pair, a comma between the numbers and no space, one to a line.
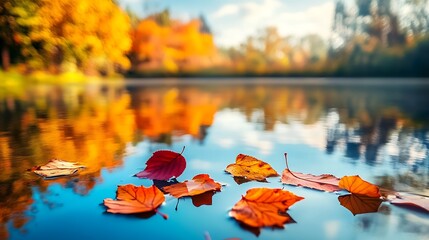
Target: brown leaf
(324,182)
(261,206)
(355,184)
(199,184)
(250,168)
(411,201)
(358,204)
(133,199)
(56,168)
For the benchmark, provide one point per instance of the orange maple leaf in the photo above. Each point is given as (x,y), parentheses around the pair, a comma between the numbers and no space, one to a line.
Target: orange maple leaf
(133,199)
(264,207)
(251,168)
(355,185)
(199,184)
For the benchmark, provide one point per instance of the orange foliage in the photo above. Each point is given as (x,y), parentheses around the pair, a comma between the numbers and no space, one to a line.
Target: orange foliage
(264,207)
(199,184)
(355,185)
(132,199)
(250,168)
(173,47)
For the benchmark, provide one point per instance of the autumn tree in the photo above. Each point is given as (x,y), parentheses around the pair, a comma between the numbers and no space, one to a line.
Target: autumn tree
(17,18)
(168,45)
(86,34)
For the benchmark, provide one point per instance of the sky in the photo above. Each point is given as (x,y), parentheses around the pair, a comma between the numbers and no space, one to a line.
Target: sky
(232,21)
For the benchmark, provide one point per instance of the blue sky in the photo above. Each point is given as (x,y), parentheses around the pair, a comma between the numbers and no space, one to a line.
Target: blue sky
(233,20)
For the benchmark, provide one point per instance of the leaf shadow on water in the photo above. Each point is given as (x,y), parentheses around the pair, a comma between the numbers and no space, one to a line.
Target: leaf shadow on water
(257,230)
(358,204)
(241,180)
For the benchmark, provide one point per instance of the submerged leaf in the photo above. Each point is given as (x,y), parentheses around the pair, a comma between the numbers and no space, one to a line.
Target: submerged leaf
(355,184)
(358,204)
(163,165)
(411,201)
(57,168)
(324,182)
(250,168)
(263,207)
(199,184)
(133,199)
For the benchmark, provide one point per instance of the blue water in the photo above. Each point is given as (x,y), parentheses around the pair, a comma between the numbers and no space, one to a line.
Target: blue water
(376,132)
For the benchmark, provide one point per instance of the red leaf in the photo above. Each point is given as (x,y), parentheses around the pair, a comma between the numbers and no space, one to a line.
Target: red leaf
(163,165)
(324,182)
(411,201)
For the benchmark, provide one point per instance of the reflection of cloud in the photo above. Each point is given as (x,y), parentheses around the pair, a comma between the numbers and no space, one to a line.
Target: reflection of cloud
(254,139)
(298,133)
(331,229)
(198,164)
(226,142)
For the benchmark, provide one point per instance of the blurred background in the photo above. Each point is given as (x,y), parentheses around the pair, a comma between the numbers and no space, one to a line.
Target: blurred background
(137,38)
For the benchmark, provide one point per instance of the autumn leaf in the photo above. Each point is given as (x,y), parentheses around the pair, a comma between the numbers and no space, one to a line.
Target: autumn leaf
(163,165)
(263,207)
(358,204)
(199,184)
(324,182)
(56,168)
(411,201)
(132,199)
(250,168)
(355,184)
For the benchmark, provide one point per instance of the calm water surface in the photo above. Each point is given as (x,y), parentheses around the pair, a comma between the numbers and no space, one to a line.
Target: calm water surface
(378,131)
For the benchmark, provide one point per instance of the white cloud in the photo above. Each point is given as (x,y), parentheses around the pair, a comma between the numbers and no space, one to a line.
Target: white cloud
(226,10)
(232,23)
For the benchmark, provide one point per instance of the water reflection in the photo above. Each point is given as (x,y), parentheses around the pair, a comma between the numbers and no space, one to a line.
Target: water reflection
(96,124)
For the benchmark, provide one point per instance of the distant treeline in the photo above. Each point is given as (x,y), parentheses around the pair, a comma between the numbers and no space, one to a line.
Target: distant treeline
(99,38)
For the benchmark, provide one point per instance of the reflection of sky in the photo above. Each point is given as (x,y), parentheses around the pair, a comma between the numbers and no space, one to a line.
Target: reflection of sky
(81,217)
(233,21)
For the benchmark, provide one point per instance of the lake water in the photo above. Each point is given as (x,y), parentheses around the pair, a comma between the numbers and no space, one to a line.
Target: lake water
(375,129)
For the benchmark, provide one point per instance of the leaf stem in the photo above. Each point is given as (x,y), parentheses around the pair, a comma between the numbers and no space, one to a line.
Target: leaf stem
(309,180)
(165,216)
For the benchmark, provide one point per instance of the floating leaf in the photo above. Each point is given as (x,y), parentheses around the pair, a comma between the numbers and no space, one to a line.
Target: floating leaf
(411,201)
(163,165)
(355,184)
(133,199)
(358,204)
(324,182)
(57,168)
(263,207)
(199,184)
(251,168)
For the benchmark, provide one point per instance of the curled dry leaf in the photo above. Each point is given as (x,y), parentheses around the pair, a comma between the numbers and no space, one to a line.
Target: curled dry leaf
(324,182)
(264,207)
(355,184)
(199,184)
(358,204)
(250,168)
(57,168)
(133,199)
(411,201)
(163,165)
